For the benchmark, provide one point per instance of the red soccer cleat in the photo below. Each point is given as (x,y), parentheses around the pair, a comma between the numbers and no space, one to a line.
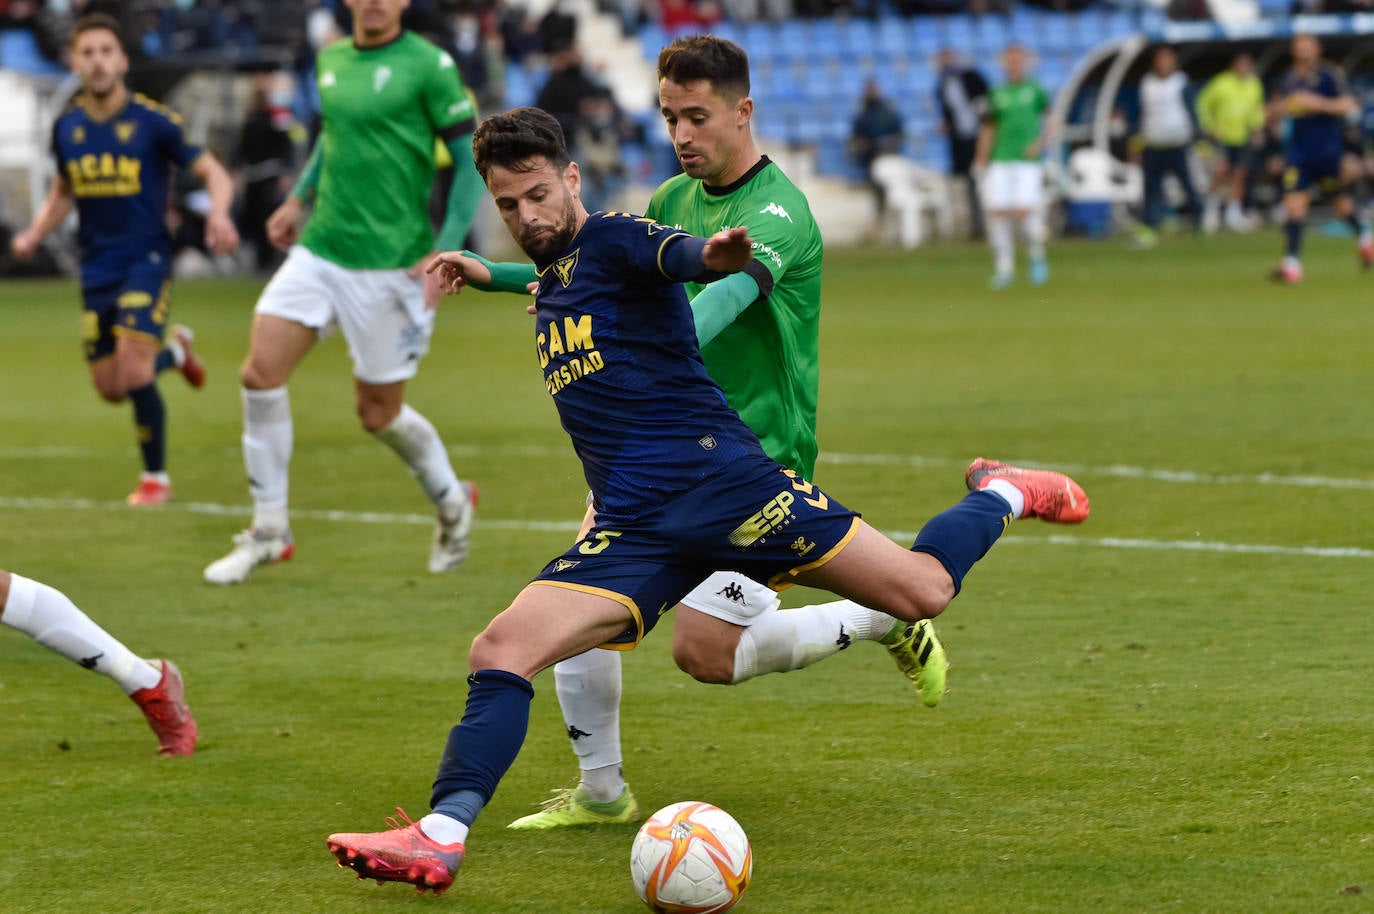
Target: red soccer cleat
(1366,251)
(191,367)
(1289,272)
(150,491)
(168,714)
(403,853)
(1049,495)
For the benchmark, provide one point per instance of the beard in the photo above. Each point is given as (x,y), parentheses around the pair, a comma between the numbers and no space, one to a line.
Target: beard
(543,244)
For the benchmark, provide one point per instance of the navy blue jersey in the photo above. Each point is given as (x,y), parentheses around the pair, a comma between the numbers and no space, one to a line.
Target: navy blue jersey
(119,170)
(618,347)
(1315,137)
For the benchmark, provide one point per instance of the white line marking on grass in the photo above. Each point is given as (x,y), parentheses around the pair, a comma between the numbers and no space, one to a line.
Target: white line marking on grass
(45,452)
(571,526)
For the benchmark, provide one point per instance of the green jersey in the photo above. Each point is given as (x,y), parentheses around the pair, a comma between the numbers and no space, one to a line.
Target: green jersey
(767,360)
(1231,107)
(1015,110)
(382,107)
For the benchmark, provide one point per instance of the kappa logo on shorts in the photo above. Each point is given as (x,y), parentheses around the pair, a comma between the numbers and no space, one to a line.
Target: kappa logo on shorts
(564,565)
(733,592)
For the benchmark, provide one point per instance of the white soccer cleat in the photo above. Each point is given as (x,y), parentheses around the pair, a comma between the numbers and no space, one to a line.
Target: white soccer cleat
(251,550)
(451,534)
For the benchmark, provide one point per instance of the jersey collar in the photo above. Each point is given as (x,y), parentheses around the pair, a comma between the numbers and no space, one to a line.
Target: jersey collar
(82,101)
(377,47)
(744,179)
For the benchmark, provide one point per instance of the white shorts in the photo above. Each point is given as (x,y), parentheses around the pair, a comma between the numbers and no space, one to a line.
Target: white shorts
(733,597)
(381,312)
(1013,186)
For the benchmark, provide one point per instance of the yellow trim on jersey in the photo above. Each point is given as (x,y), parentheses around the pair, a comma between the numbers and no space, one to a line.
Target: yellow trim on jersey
(610,595)
(660,253)
(779,581)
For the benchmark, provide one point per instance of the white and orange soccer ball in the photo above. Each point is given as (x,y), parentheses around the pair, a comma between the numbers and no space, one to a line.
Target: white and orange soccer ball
(691,858)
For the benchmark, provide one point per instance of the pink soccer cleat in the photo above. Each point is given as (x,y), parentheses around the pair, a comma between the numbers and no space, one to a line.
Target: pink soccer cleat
(403,853)
(1049,495)
(150,491)
(168,714)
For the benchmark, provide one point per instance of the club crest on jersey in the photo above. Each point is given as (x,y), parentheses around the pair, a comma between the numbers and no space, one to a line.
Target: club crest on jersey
(563,268)
(380,77)
(775,210)
(124,130)
(78,134)
(708,442)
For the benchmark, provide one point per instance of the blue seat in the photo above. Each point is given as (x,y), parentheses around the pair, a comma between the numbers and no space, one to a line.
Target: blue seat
(1058,32)
(990,34)
(19,52)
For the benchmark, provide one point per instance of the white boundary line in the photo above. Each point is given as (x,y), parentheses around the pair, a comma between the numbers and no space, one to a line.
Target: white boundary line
(571,526)
(1118,471)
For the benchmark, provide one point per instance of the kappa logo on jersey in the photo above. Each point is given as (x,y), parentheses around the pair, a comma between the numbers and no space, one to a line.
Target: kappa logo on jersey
(732,592)
(380,76)
(445,61)
(775,210)
(327,79)
(564,267)
(124,130)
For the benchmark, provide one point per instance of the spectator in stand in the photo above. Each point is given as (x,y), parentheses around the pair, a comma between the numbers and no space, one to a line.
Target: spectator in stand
(1230,111)
(962,94)
(877,131)
(520,35)
(596,138)
(686,16)
(1166,134)
(558,28)
(45,26)
(269,144)
(568,85)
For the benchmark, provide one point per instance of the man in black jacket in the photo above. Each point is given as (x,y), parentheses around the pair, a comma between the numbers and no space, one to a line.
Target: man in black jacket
(962,94)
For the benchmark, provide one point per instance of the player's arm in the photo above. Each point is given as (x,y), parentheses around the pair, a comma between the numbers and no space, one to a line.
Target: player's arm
(463,197)
(284,225)
(56,207)
(982,150)
(718,305)
(221,237)
(688,258)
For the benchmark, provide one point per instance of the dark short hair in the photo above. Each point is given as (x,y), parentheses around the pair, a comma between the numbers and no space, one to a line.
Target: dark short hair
(95,21)
(511,139)
(722,63)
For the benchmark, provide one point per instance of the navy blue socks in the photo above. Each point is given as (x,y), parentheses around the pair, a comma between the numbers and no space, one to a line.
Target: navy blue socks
(963,534)
(150,418)
(484,744)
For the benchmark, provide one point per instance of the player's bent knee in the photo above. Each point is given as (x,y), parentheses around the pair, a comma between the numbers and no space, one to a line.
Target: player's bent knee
(708,667)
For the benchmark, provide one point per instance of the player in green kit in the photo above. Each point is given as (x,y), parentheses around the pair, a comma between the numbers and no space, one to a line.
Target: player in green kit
(1010,144)
(758,331)
(385,95)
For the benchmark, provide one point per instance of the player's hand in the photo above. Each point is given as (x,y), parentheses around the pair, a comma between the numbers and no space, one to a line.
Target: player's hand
(728,251)
(1303,102)
(284,225)
(25,245)
(221,236)
(455,269)
(533,289)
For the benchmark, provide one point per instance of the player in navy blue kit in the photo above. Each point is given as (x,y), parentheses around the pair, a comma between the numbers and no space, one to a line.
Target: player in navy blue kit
(680,485)
(1316,99)
(115,151)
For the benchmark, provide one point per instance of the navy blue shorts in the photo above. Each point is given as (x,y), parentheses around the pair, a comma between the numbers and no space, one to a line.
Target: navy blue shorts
(757,518)
(1304,174)
(1237,156)
(136,305)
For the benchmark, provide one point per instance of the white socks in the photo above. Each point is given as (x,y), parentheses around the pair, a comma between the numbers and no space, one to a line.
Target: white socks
(1003,244)
(1033,230)
(413,437)
(267,441)
(789,639)
(443,829)
(588,688)
(46,615)
(1013,496)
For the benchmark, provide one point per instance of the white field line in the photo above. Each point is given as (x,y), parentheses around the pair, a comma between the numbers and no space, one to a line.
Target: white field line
(571,526)
(1119,471)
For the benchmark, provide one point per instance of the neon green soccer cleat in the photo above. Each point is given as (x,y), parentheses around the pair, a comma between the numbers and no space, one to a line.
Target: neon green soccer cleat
(572,807)
(920,657)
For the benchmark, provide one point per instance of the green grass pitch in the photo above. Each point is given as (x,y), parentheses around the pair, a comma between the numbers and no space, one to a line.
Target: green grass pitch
(1168,708)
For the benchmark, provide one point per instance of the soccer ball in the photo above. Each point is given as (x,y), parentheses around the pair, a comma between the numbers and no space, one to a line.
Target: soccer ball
(691,858)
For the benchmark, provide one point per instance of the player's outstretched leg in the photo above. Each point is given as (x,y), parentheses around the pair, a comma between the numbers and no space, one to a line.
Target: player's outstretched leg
(402,853)
(589,688)
(1046,494)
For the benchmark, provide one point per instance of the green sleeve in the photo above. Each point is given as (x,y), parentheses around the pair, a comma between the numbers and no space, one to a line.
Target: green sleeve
(463,197)
(310,174)
(505,277)
(715,307)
